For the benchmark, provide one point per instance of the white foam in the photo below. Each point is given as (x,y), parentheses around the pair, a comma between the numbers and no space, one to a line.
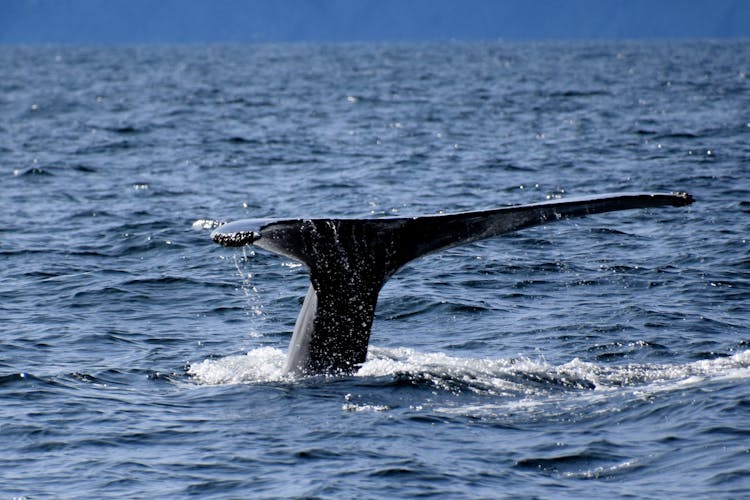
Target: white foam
(629,381)
(602,472)
(206,224)
(488,376)
(265,364)
(359,408)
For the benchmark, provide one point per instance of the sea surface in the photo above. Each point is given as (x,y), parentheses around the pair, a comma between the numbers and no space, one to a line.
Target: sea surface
(604,357)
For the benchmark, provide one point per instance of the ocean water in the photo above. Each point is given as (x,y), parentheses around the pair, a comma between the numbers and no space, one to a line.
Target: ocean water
(599,357)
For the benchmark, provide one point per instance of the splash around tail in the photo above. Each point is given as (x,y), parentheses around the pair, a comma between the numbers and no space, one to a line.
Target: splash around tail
(350,260)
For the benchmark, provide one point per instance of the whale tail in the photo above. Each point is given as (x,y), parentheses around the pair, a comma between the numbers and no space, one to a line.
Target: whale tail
(351,259)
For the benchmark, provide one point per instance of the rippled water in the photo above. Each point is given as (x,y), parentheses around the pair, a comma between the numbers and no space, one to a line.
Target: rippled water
(602,357)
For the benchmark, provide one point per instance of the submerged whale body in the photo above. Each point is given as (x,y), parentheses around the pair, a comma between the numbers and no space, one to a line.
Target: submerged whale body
(351,259)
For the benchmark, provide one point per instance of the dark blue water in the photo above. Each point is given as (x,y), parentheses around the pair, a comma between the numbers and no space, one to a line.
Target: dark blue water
(605,357)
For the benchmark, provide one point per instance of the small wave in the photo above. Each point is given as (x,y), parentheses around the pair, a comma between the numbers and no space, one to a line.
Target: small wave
(236,139)
(16,378)
(579,93)
(126,129)
(33,171)
(107,147)
(579,465)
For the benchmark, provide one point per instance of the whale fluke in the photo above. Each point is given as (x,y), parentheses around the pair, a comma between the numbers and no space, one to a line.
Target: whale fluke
(350,260)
